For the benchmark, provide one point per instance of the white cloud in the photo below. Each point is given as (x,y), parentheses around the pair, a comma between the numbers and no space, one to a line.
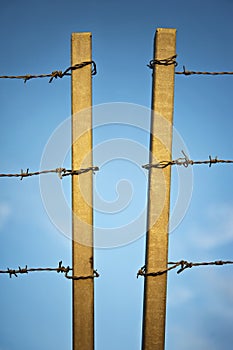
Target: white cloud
(5,212)
(216,229)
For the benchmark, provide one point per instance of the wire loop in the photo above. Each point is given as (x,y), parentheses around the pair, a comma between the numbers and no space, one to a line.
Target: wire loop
(163,62)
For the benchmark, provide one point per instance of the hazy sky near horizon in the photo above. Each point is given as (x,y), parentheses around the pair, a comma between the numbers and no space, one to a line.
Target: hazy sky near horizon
(35,36)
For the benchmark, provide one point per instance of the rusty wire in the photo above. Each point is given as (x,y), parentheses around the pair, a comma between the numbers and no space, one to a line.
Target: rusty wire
(185,161)
(55,74)
(183,266)
(60,268)
(60,171)
(187,72)
(172,60)
(164,62)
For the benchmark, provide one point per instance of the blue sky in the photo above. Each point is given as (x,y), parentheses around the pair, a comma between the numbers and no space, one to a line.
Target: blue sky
(35,38)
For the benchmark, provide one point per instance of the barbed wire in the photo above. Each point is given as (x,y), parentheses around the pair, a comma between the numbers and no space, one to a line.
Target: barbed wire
(60,171)
(55,74)
(185,161)
(187,72)
(183,266)
(60,268)
(182,161)
(172,60)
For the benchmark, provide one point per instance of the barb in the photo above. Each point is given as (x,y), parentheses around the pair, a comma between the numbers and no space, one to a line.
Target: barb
(187,72)
(164,62)
(185,161)
(60,268)
(60,171)
(55,74)
(183,266)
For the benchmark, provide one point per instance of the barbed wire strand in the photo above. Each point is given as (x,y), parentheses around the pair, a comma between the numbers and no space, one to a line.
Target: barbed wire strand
(172,60)
(183,264)
(55,74)
(60,171)
(60,268)
(185,161)
(187,72)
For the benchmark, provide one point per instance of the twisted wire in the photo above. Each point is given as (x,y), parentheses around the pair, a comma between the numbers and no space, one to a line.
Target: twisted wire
(60,171)
(185,161)
(187,72)
(55,74)
(60,268)
(183,266)
(172,60)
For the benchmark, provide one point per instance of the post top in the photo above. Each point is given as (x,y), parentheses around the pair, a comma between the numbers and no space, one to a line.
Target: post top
(167,30)
(89,34)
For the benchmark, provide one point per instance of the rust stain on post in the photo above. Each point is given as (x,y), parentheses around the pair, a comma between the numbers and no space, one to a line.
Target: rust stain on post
(159,192)
(82,218)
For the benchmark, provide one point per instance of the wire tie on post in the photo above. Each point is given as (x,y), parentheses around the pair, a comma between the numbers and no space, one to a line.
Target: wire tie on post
(85,170)
(95,275)
(163,62)
(81,65)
